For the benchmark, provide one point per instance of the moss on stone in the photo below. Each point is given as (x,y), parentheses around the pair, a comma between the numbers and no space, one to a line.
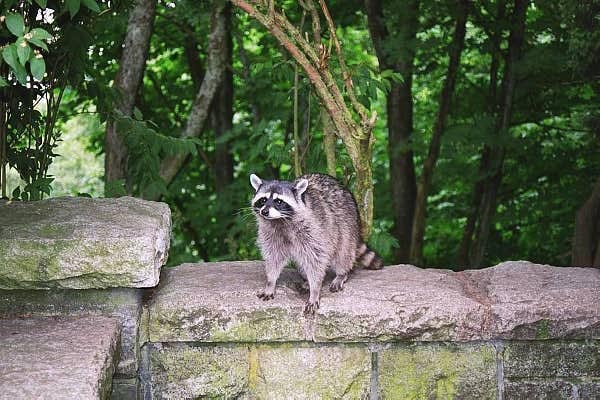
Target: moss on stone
(67,263)
(438,371)
(301,372)
(181,371)
(55,231)
(543,329)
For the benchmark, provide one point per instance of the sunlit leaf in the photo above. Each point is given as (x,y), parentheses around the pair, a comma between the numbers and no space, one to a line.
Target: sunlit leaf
(23,51)
(39,33)
(38,68)
(10,56)
(15,24)
(12,59)
(39,43)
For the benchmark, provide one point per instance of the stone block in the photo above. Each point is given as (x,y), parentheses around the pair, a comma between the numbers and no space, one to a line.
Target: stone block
(58,357)
(124,304)
(531,301)
(298,373)
(438,371)
(216,302)
(181,371)
(552,359)
(125,389)
(82,243)
(589,390)
(539,390)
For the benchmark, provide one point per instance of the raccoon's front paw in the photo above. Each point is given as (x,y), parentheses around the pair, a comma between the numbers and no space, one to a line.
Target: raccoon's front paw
(311,308)
(265,295)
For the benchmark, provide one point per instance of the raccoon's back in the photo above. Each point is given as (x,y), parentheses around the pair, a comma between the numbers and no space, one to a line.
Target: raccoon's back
(331,204)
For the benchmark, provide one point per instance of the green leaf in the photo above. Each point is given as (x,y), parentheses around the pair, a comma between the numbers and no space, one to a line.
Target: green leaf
(92,5)
(23,50)
(42,3)
(39,43)
(15,24)
(12,59)
(39,33)
(3,82)
(73,7)
(10,55)
(38,68)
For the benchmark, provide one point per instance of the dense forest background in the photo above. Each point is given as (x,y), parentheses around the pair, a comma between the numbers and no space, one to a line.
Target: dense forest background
(469,130)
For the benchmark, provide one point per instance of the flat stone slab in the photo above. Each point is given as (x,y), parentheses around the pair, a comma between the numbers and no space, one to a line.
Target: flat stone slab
(83,243)
(216,302)
(124,304)
(57,358)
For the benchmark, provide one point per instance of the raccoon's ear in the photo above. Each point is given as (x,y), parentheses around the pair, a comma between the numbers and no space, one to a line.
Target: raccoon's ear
(301,186)
(255,181)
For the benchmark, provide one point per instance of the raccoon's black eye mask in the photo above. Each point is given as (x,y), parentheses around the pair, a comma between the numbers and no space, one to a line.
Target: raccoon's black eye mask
(260,202)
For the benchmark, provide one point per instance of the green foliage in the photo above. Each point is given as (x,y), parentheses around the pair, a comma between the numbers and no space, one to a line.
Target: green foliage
(146,148)
(35,69)
(551,149)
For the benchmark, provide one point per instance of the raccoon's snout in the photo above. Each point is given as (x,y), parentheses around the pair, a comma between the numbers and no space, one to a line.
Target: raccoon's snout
(265,212)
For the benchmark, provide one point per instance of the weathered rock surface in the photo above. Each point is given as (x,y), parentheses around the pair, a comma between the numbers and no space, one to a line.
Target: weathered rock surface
(57,357)
(438,371)
(125,304)
(82,243)
(531,301)
(180,371)
(216,302)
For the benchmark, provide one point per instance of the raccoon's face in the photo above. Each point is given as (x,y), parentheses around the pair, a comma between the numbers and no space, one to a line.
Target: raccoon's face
(276,199)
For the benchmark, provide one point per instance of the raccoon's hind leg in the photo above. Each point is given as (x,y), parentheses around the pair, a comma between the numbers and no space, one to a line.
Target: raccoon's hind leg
(304,287)
(273,267)
(342,265)
(338,282)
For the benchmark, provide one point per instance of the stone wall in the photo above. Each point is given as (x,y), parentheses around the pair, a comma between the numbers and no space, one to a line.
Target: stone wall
(514,331)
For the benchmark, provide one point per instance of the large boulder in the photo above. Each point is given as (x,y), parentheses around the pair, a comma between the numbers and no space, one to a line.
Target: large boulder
(82,243)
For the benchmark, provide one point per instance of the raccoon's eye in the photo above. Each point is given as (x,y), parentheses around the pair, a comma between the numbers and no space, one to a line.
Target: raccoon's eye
(279,202)
(260,202)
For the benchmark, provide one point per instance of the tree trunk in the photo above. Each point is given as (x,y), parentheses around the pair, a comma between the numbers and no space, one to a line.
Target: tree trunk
(215,72)
(127,83)
(586,238)
(494,177)
(469,229)
(400,116)
(222,113)
(418,229)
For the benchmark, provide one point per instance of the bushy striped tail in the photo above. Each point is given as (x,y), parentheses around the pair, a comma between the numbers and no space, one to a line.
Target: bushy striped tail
(367,258)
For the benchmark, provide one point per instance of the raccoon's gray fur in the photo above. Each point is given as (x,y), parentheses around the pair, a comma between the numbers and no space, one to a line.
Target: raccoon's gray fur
(313,221)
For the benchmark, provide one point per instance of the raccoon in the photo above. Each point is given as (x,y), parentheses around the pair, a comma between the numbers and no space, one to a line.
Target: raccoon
(314,222)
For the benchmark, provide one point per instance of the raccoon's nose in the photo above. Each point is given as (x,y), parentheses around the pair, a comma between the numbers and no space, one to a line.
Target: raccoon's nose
(265,212)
